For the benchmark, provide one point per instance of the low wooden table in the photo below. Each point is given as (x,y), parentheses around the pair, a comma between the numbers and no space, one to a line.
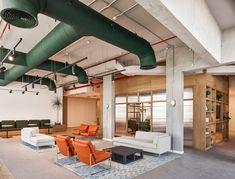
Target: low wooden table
(124,155)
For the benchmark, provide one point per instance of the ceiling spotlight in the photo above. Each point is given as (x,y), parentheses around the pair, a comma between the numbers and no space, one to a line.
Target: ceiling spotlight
(10,91)
(25,88)
(12,56)
(114,18)
(33,85)
(23,92)
(37,93)
(73,70)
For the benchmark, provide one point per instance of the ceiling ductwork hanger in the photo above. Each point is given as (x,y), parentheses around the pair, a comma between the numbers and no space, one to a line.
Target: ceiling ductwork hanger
(53,73)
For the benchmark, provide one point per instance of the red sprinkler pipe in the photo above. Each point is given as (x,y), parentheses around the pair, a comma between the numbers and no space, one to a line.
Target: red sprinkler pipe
(96,84)
(116,58)
(4,29)
(127,53)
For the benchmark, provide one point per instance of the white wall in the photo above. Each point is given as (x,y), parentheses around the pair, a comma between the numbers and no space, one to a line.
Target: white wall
(81,110)
(18,106)
(232,104)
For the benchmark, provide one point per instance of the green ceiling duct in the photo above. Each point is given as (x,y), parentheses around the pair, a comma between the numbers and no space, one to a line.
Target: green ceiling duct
(48,65)
(44,81)
(77,20)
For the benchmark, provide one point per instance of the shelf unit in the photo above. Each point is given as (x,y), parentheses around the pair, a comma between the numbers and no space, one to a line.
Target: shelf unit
(216,117)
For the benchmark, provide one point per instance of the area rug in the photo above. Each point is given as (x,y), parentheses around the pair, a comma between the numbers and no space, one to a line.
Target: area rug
(4,172)
(40,149)
(117,171)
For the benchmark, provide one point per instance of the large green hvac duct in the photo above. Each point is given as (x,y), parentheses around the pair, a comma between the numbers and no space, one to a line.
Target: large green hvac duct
(44,81)
(77,20)
(49,65)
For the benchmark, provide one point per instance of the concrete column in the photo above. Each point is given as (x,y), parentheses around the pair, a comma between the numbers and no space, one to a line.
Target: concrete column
(175,114)
(108,107)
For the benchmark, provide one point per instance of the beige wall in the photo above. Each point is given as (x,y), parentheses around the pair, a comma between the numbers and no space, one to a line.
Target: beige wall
(232,104)
(81,110)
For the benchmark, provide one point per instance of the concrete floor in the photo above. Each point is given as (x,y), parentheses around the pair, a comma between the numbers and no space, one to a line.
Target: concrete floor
(217,163)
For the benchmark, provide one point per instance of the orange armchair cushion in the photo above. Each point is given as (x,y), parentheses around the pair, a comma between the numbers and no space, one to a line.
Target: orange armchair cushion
(83,127)
(76,131)
(65,145)
(92,148)
(101,156)
(85,149)
(92,131)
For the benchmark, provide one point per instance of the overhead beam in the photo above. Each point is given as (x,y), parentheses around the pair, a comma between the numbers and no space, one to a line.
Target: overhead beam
(192,22)
(222,70)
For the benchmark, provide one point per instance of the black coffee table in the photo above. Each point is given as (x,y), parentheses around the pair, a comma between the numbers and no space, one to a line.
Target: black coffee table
(124,155)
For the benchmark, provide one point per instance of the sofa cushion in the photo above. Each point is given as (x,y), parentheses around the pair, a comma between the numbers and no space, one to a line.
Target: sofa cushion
(135,142)
(155,139)
(21,124)
(10,122)
(44,122)
(34,123)
(83,127)
(40,138)
(34,133)
(145,135)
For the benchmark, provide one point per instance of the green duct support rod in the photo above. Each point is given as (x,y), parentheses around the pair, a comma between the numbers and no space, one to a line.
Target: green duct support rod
(78,20)
(43,81)
(48,65)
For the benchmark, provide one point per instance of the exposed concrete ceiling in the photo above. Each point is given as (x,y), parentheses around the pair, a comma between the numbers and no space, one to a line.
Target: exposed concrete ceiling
(136,19)
(223,11)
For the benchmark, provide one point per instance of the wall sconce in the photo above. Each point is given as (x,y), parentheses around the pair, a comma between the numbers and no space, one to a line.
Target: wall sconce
(173,102)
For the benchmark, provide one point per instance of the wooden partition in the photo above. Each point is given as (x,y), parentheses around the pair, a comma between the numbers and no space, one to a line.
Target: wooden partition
(203,138)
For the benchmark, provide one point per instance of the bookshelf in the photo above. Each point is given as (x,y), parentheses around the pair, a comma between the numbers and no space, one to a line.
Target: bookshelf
(216,117)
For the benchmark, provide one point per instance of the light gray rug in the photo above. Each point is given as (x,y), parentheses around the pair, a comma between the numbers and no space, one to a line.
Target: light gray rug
(117,171)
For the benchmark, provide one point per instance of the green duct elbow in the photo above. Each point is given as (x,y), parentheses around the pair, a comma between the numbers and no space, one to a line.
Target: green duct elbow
(83,19)
(81,74)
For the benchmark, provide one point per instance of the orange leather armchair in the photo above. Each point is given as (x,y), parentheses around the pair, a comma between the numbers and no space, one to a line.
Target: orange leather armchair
(91,132)
(86,153)
(82,128)
(64,145)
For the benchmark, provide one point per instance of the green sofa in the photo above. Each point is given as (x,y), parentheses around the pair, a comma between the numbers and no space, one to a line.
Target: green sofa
(20,124)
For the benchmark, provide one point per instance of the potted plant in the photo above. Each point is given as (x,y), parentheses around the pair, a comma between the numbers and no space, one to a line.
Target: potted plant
(219,95)
(57,104)
(208,94)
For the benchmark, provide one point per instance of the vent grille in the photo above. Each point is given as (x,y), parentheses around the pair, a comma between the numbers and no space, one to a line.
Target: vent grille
(19,18)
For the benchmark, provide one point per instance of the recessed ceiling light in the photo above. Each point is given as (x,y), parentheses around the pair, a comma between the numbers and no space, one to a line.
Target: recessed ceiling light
(114,18)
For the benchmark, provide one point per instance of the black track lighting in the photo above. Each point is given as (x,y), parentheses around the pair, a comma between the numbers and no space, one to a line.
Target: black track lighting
(33,85)
(37,93)
(10,91)
(25,88)
(23,92)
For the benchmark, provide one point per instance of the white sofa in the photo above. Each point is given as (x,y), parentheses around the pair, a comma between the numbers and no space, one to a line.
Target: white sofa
(32,136)
(153,142)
